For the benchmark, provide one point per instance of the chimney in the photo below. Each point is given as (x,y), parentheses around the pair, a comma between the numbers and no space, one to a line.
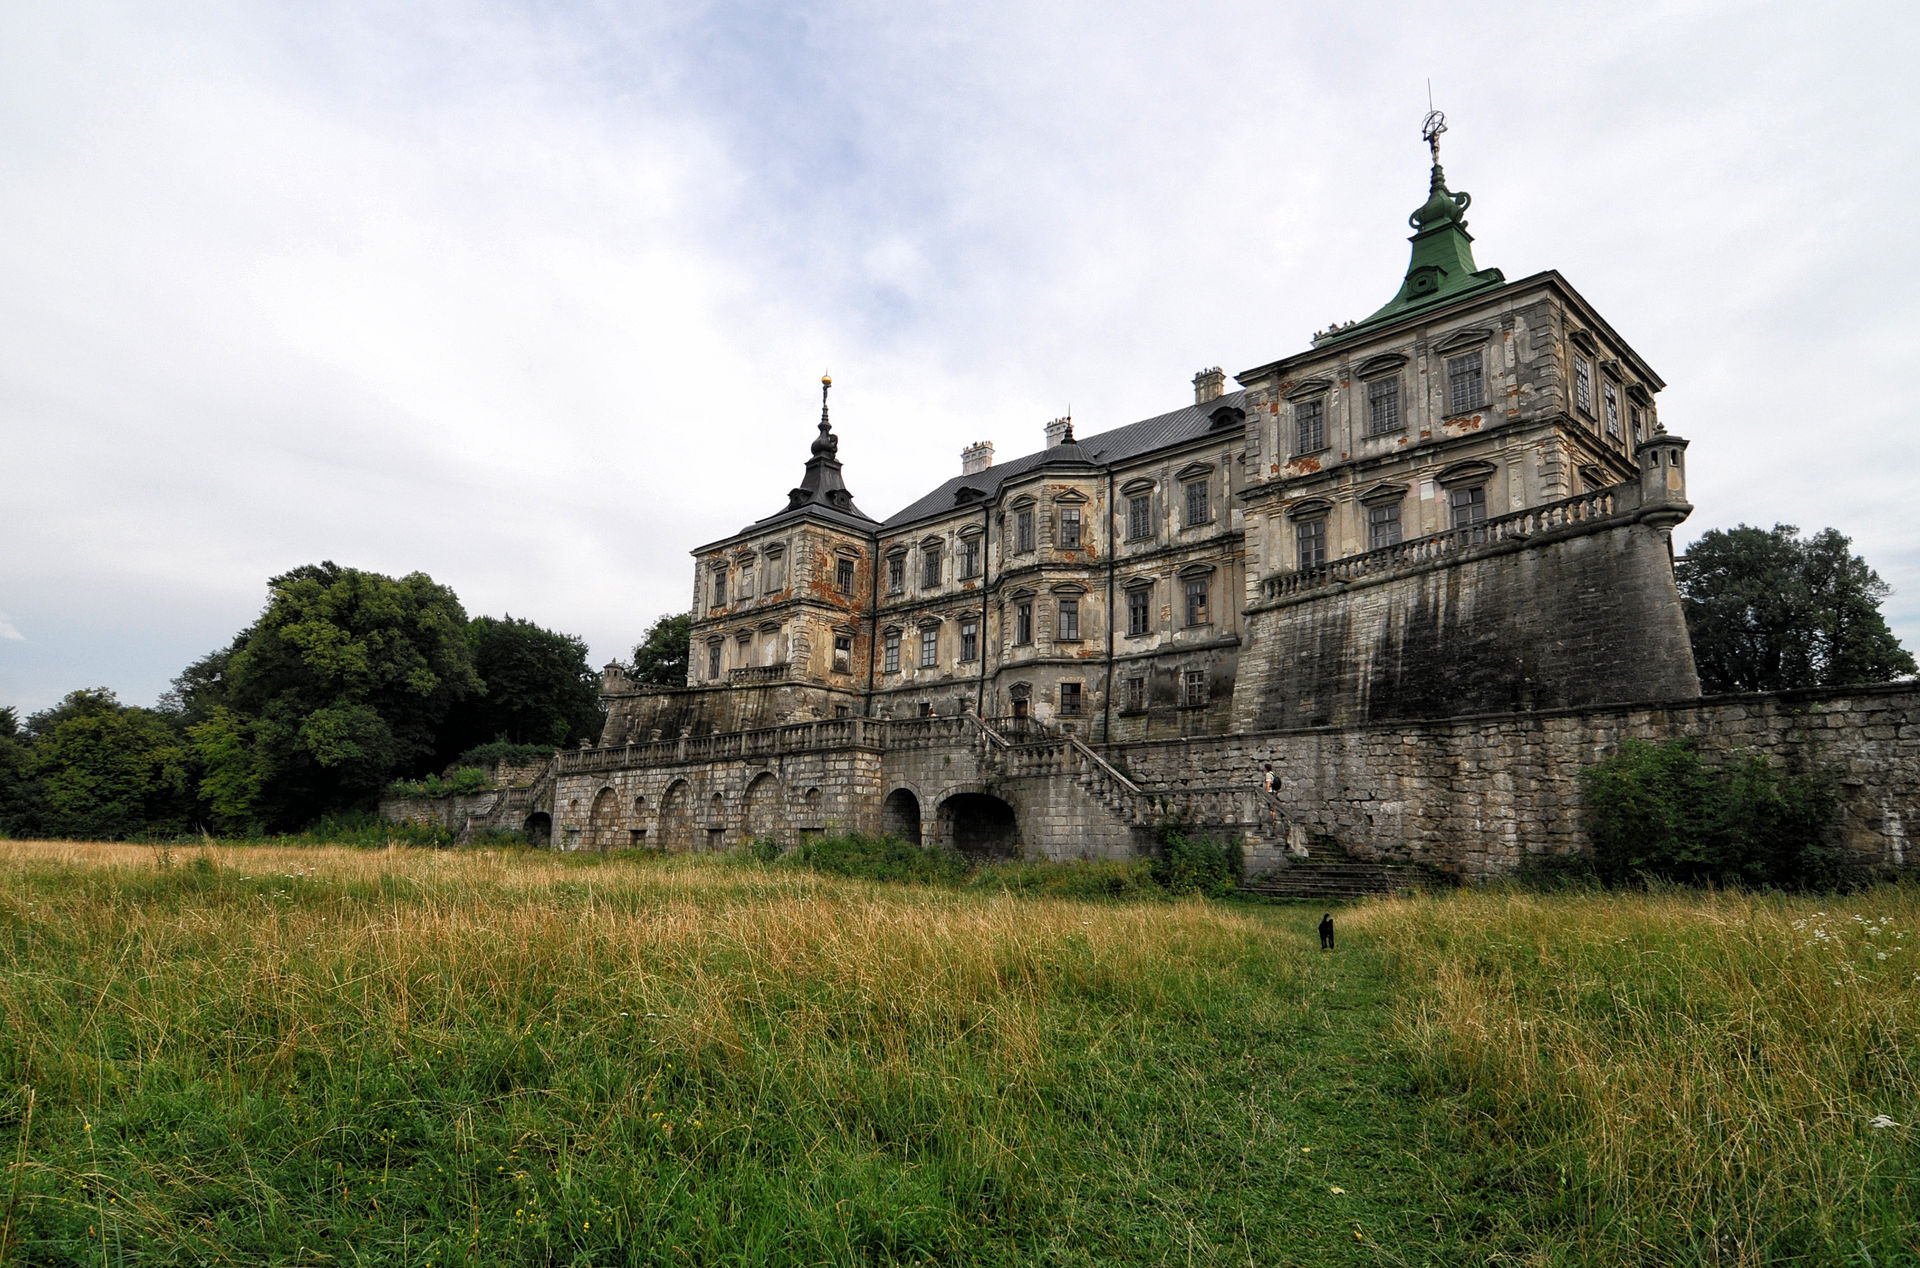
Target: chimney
(976,458)
(1208,385)
(1057,430)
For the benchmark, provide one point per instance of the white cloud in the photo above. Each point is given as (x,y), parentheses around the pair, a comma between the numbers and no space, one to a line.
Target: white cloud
(536,299)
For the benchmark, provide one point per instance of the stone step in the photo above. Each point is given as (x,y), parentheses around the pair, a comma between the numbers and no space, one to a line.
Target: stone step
(1339,880)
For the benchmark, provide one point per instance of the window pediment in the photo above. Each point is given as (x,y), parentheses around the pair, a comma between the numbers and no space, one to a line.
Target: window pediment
(1022,503)
(1309,388)
(1385,363)
(745,635)
(1309,508)
(775,550)
(1141,484)
(1137,583)
(1193,471)
(1191,571)
(929,620)
(1069,497)
(897,551)
(971,531)
(1469,472)
(1024,592)
(1068,587)
(1595,476)
(1584,341)
(769,627)
(1383,494)
(1461,340)
(1639,395)
(931,543)
(846,552)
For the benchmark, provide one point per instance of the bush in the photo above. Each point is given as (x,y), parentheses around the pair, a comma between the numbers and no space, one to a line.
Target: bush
(1657,810)
(504,751)
(1196,864)
(464,779)
(880,858)
(763,849)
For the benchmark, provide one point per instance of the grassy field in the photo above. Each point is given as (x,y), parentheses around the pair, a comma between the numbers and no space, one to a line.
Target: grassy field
(263,1055)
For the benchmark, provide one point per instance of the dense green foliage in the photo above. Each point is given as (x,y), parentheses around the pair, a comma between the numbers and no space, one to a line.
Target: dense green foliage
(461,779)
(1657,810)
(660,658)
(1189,864)
(1770,610)
(502,1058)
(537,689)
(348,681)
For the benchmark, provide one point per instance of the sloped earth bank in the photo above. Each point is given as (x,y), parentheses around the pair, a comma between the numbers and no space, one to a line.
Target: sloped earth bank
(337,1056)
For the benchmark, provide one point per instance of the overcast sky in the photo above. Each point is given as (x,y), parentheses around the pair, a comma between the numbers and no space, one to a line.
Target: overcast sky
(534,298)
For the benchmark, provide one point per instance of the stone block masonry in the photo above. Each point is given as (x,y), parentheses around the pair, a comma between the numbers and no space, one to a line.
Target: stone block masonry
(1481,796)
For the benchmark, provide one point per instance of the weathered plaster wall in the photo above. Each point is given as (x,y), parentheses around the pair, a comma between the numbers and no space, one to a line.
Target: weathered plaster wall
(1568,618)
(1480,795)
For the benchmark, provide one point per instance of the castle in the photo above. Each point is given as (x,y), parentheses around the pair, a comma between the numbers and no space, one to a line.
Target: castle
(1419,570)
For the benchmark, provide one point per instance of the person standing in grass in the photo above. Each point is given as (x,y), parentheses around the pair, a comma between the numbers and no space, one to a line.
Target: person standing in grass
(1326,932)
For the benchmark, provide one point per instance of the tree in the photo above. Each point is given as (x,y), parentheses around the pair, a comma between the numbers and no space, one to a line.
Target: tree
(539,688)
(661,657)
(1768,611)
(16,794)
(104,771)
(342,684)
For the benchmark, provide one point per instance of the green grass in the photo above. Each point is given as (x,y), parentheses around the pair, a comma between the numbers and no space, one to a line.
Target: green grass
(470,1057)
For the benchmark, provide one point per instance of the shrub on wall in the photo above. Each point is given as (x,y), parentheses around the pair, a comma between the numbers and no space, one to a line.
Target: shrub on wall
(1188,864)
(465,779)
(1658,810)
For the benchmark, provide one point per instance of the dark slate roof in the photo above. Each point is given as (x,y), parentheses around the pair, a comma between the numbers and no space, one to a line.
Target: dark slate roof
(1118,445)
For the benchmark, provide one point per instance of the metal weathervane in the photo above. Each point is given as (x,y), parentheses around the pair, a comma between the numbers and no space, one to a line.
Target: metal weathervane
(1430,131)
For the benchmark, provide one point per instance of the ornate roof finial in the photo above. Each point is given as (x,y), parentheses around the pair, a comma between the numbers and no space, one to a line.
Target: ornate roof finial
(826,384)
(1430,133)
(1068,439)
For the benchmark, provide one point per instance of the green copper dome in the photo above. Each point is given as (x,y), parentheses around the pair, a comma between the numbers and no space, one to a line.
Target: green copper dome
(1441,269)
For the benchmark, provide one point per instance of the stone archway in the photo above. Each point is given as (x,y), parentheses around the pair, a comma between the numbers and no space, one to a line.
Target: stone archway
(980,825)
(760,808)
(676,817)
(539,828)
(900,815)
(602,821)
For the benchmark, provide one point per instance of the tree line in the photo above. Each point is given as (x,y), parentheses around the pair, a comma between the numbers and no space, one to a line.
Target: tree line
(348,681)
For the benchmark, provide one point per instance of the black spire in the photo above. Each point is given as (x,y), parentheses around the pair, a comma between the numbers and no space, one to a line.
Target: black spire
(822,486)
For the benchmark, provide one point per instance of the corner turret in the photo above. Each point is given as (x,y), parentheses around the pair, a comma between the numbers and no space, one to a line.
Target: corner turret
(1663,479)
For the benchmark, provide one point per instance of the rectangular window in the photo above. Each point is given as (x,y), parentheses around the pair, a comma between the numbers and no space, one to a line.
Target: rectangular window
(896,573)
(843,575)
(713,660)
(843,652)
(929,567)
(1383,526)
(926,708)
(746,581)
(1466,390)
(1310,543)
(970,557)
(719,587)
(1611,395)
(969,641)
(1193,688)
(1139,516)
(1195,591)
(1069,699)
(1469,507)
(1023,623)
(1133,695)
(1139,617)
(1583,384)
(1310,425)
(1069,528)
(1639,423)
(1023,530)
(892,663)
(1069,627)
(776,572)
(930,647)
(1383,406)
(1198,509)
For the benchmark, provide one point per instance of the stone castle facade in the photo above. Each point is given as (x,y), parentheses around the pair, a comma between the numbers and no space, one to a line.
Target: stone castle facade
(1458,508)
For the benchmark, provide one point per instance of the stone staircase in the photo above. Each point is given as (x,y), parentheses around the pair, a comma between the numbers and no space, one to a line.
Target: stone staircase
(1341,878)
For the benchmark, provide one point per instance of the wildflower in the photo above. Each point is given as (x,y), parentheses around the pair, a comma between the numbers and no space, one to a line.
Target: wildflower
(1880,1122)
(1880,955)
(1335,1189)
